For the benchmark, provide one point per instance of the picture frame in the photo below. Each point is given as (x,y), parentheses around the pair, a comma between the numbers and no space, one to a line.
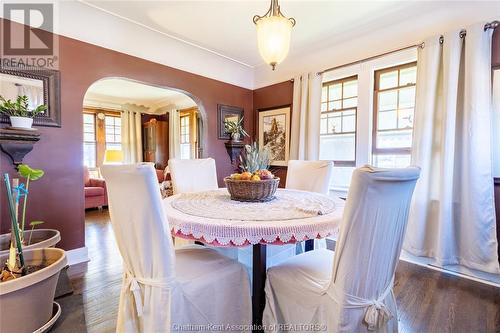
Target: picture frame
(49,81)
(227,112)
(274,133)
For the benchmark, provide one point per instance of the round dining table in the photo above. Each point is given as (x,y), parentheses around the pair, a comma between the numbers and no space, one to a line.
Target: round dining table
(211,217)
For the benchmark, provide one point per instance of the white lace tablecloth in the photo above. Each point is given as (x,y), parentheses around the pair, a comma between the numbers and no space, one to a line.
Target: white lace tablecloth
(214,218)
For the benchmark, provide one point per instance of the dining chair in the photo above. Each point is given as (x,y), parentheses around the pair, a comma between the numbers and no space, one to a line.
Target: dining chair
(349,290)
(165,290)
(193,175)
(312,176)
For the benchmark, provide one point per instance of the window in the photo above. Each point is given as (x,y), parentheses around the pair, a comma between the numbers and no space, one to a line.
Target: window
(185,135)
(113,130)
(89,140)
(339,102)
(394,104)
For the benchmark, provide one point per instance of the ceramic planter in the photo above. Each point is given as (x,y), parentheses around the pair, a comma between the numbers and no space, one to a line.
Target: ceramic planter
(27,302)
(21,122)
(40,239)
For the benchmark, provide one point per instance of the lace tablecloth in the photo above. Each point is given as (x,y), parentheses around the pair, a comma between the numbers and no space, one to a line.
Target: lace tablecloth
(215,219)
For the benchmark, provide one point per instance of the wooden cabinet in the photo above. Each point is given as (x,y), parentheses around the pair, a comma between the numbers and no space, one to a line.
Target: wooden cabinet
(155,142)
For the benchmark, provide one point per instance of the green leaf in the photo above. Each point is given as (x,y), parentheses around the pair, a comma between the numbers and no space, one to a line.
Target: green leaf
(35,223)
(27,172)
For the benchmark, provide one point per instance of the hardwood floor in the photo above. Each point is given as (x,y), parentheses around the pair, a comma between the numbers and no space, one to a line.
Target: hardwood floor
(428,300)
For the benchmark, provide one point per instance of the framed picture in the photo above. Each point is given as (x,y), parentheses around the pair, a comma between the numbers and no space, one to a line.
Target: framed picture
(227,113)
(274,133)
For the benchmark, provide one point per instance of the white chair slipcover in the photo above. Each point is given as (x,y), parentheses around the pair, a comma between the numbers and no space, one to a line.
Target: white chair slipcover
(163,289)
(312,176)
(193,175)
(349,290)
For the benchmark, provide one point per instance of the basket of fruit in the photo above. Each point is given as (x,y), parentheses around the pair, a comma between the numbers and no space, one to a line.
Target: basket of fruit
(256,183)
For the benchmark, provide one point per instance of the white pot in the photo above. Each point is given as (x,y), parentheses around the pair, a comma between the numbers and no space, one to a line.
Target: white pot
(21,122)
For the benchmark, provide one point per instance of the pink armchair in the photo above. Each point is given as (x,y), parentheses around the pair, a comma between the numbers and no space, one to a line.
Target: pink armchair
(95,191)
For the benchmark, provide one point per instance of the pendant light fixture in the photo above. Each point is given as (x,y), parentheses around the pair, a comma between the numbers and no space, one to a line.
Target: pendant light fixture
(273,34)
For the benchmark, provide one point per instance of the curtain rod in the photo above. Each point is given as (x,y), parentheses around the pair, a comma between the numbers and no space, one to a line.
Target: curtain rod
(491,25)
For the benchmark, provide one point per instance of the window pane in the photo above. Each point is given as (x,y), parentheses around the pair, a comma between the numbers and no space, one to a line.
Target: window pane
(350,89)
(350,103)
(407,97)
(335,91)
(394,139)
(391,161)
(323,125)
(335,124)
(324,94)
(387,120)
(337,105)
(408,76)
(341,177)
(348,123)
(88,118)
(324,106)
(388,80)
(388,100)
(89,154)
(88,137)
(405,118)
(338,147)
(113,146)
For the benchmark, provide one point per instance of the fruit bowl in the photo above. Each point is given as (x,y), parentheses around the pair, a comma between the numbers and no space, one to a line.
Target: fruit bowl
(252,190)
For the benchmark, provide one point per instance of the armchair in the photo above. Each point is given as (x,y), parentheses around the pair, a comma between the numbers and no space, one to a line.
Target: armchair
(95,191)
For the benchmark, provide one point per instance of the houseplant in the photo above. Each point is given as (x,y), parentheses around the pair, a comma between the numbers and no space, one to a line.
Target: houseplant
(18,111)
(27,281)
(255,183)
(235,129)
(41,238)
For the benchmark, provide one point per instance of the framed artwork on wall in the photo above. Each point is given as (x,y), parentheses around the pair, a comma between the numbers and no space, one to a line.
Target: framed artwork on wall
(274,133)
(229,113)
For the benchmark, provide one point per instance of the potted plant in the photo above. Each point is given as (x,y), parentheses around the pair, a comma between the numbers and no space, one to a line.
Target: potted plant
(235,129)
(255,183)
(27,280)
(18,111)
(30,239)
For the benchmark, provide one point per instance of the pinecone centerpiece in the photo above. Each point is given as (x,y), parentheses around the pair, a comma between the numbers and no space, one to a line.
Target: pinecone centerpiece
(255,183)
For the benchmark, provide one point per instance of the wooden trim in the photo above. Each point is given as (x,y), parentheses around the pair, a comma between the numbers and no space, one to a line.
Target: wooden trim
(376,91)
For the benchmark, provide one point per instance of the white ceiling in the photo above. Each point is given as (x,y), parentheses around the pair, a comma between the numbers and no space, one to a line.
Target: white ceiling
(117,92)
(217,39)
(226,27)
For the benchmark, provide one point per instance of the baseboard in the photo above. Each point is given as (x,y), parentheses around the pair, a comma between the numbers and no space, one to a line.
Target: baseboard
(77,256)
(462,272)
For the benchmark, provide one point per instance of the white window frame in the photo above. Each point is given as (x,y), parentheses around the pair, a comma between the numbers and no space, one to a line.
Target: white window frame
(365,72)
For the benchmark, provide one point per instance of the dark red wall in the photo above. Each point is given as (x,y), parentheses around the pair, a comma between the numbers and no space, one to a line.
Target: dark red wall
(495,61)
(276,95)
(58,198)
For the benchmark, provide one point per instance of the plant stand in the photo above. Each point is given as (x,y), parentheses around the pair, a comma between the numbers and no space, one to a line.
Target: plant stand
(234,149)
(17,143)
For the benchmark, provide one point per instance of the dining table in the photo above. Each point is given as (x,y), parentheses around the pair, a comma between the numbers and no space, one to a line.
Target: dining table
(212,218)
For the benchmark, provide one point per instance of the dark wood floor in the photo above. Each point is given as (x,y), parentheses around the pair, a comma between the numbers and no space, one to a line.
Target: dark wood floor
(428,301)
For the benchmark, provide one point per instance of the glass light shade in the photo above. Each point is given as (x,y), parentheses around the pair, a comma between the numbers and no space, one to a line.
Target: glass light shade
(273,38)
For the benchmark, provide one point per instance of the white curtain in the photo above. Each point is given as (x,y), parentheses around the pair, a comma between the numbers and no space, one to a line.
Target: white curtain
(131,136)
(34,94)
(174,130)
(306,113)
(452,216)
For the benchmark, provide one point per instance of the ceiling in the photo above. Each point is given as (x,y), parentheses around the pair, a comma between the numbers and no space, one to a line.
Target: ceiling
(226,27)
(109,92)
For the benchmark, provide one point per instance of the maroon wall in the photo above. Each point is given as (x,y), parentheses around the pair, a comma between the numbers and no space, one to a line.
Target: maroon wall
(276,95)
(495,58)
(58,198)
